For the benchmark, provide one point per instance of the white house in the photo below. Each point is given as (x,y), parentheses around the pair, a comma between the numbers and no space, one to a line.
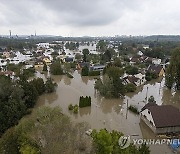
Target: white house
(140,53)
(156,61)
(145,46)
(137,80)
(161,119)
(43,45)
(141,78)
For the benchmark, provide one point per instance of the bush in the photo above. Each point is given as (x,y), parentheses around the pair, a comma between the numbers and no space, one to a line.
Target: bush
(150,76)
(133,109)
(70,107)
(151,99)
(73,65)
(94,73)
(85,71)
(130,87)
(75,110)
(84,101)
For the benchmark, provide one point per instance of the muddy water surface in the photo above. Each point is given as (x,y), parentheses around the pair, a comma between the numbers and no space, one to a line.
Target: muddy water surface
(111,114)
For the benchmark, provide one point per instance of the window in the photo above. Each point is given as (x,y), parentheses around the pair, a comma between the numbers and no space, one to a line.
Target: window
(149,112)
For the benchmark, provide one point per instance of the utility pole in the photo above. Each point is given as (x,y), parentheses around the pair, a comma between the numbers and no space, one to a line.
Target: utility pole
(127,108)
(147,95)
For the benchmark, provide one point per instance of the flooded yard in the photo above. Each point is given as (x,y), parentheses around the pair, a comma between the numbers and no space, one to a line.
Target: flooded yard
(111,114)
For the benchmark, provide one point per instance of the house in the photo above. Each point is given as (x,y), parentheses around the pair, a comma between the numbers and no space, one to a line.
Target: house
(140,53)
(134,60)
(158,69)
(43,45)
(39,63)
(11,74)
(141,78)
(145,46)
(97,67)
(137,80)
(156,61)
(6,54)
(69,59)
(161,119)
(130,79)
(46,60)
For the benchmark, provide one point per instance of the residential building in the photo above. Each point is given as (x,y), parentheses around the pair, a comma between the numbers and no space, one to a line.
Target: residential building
(137,80)
(161,119)
(156,61)
(158,69)
(97,67)
(39,63)
(43,45)
(46,60)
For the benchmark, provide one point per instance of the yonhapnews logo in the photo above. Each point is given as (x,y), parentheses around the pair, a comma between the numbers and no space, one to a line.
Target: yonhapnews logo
(124,141)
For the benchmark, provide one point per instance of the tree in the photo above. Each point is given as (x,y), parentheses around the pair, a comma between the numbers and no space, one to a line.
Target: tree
(67,67)
(101,46)
(44,131)
(131,70)
(151,99)
(103,141)
(117,62)
(85,53)
(85,71)
(45,67)
(12,103)
(108,54)
(130,87)
(50,85)
(107,142)
(114,72)
(173,71)
(30,93)
(39,85)
(55,68)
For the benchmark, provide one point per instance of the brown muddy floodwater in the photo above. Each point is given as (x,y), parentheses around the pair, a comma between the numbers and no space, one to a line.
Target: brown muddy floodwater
(109,113)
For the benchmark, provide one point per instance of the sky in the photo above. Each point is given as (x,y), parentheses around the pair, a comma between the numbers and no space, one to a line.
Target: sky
(90,17)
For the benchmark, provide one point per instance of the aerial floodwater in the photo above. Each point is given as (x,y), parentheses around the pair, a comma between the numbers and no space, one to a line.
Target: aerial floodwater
(111,114)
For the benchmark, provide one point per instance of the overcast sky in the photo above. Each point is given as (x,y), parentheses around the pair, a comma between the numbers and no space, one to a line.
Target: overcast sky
(90,17)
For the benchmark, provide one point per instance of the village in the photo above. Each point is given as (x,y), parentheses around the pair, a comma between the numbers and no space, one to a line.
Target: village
(135,64)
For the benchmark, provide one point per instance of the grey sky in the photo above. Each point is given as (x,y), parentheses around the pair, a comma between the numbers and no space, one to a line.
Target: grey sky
(90,17)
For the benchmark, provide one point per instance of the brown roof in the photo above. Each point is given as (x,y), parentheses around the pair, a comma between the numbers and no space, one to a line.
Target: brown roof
(148,105)
(7,73)
(155,68)
(135,59)
(132,79)
(165,115)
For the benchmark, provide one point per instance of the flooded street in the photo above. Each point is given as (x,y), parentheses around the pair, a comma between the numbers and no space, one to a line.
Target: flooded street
(108,113)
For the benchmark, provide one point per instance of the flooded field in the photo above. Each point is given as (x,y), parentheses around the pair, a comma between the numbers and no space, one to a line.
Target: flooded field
(111,114)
